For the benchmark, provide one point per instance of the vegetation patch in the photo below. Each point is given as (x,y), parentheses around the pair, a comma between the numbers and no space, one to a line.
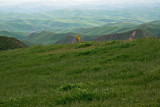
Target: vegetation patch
(83,45)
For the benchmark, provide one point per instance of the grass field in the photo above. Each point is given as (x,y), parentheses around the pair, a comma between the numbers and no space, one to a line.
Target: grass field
(113,73)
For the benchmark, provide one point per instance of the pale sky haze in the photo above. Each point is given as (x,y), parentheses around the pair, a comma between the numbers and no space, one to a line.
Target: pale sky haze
(76,2)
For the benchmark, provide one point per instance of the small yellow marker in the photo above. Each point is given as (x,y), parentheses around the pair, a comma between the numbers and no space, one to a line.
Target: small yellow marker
(78,38)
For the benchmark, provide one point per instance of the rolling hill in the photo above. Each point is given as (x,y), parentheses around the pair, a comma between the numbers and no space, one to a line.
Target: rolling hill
(18,35)
(46,37)
(140,33)
(153,27)
(27,25)
(106,29)
(71,18)
(7,43)
(112,73)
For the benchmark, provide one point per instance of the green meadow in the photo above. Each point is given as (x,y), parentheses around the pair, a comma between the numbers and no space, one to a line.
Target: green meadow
(112,73)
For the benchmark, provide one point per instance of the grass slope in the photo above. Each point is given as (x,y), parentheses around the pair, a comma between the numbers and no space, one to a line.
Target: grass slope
(7,43)
(140,33)
(114,73)
(46,37)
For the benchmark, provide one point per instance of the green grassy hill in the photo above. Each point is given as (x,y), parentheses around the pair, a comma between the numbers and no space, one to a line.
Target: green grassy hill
(18,35)
(7,43)
(46,37)
(113,73)
(140,33)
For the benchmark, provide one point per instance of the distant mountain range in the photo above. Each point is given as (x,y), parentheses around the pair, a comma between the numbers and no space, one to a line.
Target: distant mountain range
(106,29)
(62,21)
(114,31)
(153,27)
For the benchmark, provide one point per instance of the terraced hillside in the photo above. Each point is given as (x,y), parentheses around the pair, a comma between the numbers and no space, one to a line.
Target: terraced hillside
(140,33)
(113,73)
(7,43)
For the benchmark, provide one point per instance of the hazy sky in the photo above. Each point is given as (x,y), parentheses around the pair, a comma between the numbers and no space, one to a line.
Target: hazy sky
(73,2)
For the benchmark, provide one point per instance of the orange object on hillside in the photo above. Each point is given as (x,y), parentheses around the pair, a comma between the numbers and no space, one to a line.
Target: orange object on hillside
(78,38)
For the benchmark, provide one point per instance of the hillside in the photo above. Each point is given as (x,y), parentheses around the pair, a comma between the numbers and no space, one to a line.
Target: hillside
(112,73)
(17,35)
(46,37)
(67,40)
(153,27)
(140,33)
(28,43)
(7,43)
